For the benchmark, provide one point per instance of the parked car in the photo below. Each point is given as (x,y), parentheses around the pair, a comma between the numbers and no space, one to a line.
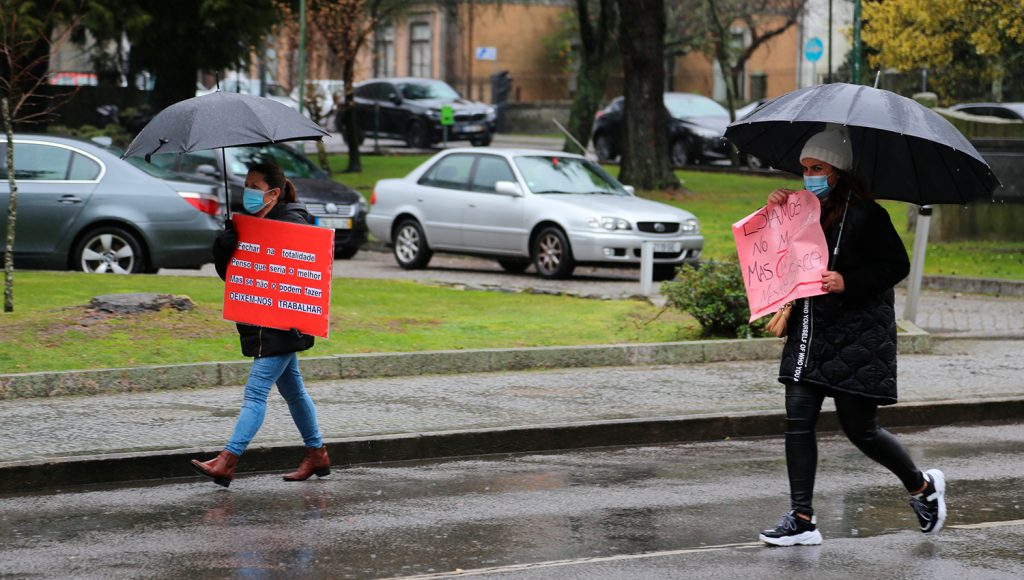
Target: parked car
(549,209)
(81,207)
(272,91)
(332,204)
(410,109)
(1011,111)
(696,129)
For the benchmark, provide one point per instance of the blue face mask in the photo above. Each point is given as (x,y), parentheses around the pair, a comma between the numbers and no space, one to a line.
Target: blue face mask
(818,185)
(252,200)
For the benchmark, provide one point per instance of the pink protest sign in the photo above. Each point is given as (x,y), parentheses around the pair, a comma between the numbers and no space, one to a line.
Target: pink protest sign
(782,252)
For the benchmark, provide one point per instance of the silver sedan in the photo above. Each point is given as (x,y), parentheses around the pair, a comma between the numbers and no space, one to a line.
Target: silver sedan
(549,209)
(81,207)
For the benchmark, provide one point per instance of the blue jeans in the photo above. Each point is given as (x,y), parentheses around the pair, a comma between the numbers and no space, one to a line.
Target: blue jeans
(282,369)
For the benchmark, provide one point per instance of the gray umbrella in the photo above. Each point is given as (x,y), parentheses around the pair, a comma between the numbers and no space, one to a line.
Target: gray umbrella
(903,150)
(217,120)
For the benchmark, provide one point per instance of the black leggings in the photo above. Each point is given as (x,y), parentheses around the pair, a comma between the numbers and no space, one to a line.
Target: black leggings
(857,416)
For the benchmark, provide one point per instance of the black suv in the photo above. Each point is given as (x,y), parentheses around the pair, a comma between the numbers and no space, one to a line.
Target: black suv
(410,109)
(333,205)
(695,131)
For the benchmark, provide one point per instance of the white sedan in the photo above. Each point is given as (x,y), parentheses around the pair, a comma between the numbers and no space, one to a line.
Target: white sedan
(554,210)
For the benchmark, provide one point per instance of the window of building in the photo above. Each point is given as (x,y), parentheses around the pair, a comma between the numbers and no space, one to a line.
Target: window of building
(420,50)
(384,52)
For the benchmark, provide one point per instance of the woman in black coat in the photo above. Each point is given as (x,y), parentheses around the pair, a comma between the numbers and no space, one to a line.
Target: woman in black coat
(268,195)
(843,344)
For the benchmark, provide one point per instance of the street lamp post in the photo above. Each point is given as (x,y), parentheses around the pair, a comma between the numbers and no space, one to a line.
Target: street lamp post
(302,53)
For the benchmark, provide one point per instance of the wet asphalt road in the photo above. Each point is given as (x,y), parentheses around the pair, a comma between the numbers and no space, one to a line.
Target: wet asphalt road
(682,511)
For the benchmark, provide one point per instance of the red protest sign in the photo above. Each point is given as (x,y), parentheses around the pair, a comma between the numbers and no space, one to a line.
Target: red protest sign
(782,252)
(280,276)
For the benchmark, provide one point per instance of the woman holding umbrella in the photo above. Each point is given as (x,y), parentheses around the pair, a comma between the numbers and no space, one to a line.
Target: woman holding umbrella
(268,195)
(843,344)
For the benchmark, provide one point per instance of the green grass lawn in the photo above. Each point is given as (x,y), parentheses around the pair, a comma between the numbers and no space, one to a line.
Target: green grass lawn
(51,328)
(721,199)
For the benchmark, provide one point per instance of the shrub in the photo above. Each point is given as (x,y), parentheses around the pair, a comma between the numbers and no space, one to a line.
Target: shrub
(713,293)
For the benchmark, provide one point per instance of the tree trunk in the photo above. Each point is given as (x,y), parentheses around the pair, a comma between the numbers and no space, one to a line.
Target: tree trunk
(351,128)
(593,72)
(645,154)
(12,211)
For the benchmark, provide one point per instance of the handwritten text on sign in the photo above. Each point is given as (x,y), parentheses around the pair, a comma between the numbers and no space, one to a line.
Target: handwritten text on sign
(782,252)
(280,276)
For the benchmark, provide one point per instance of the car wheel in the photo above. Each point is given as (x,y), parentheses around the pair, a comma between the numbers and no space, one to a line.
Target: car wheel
(680,157)
(411,250)
(605,148)
(109,250)
(514,266)
(482,141)
(416,135)
(663,272)
(552,256)
(754,162)
(346,252)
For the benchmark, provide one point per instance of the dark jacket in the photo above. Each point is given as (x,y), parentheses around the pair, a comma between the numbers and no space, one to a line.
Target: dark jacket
(258,341)
(846,343)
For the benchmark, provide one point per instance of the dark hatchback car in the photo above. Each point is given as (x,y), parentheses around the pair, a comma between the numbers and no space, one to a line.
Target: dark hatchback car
(410,108)
(332,204)
(695,132)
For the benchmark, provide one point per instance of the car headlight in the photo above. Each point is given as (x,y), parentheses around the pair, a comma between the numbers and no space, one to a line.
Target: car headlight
(609,223)
(491,114)
(690,226)
(364,205)
(433,114)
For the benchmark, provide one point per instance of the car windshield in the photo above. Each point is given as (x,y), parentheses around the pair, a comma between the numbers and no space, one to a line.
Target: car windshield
(690,106)
(291,162)
(427,90)
(555,174)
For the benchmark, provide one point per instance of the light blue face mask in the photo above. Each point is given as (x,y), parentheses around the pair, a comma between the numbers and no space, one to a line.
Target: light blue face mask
(252,200)
(818,185)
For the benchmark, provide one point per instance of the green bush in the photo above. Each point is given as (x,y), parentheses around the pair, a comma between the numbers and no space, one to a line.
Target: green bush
(119,136)
(714,295)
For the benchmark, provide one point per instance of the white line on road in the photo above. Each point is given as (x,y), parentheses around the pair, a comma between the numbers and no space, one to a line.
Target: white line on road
(557,563)
(984,525)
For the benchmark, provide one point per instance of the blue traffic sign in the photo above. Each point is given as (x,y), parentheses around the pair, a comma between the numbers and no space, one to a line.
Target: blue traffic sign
(813,49)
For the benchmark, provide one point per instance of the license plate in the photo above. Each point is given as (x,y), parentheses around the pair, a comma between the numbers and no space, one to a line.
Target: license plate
(668,247)
(335,223)
(471,128)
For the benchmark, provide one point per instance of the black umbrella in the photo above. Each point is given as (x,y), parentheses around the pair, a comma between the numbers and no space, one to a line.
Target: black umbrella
(903,150)
(217,120)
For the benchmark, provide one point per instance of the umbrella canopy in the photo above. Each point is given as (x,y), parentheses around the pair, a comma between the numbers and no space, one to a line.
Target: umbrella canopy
(903,150)
(221,119)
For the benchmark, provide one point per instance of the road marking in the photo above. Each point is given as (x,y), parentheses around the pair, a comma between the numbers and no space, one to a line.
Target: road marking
(984,525)
(557,563)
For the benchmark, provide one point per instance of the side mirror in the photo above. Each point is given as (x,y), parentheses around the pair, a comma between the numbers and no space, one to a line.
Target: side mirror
(630,189)
(395,99)
(510,188)
(207,170)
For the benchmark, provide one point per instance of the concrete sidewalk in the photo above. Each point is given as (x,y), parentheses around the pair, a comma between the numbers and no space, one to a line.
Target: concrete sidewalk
(630,394)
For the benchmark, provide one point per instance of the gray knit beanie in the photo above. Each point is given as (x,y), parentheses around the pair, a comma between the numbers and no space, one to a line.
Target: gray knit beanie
(831,146)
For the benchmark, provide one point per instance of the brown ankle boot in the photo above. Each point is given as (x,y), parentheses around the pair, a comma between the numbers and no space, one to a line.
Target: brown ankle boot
(315,461)
(220,468)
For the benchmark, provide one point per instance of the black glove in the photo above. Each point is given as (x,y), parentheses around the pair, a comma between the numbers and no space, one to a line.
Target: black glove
(228,239)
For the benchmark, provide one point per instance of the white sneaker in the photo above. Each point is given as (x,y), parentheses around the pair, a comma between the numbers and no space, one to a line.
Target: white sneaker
(930,504)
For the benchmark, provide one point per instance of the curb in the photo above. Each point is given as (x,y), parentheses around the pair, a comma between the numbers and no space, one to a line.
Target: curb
(17,477)
(912,340)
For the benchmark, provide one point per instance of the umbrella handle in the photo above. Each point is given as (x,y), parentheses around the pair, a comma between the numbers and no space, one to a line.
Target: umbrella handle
(227,190)
(839,237)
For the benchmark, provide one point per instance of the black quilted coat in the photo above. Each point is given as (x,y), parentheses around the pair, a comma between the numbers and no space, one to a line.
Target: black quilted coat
(258,341)
(846,343)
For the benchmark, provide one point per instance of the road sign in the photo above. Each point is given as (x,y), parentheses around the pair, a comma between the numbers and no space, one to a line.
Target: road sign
(487,53)
(813,49)
(447,115)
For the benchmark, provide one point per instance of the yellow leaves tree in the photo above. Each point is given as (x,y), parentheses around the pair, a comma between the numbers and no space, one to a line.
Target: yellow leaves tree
(911,34)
